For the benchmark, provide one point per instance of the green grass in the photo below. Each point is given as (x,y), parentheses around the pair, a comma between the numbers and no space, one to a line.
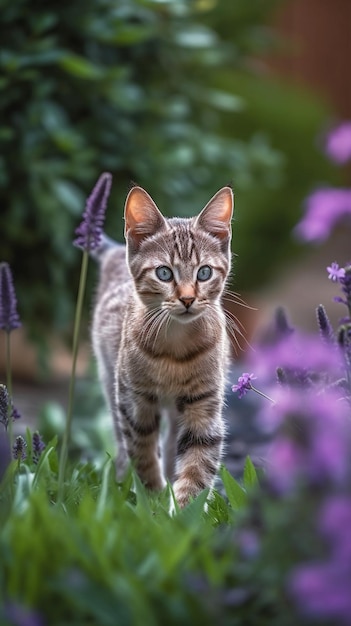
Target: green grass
(113,554)
(107,552)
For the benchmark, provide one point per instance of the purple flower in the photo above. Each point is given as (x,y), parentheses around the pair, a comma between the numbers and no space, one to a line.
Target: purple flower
(344,341)
(335,524)
(324,207)
(248,542)
(19,615)
(322,589)
(9,318)
(7,409)
(303,359)
(37,446)
(338,143)
(312,441)
(89,231)
(15,414)
(4,405)
(345,282)
(325,327)
(282,326)
(244,384)
(19,448)
(335,272)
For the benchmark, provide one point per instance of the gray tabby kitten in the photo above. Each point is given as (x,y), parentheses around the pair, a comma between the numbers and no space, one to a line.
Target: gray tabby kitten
(159,336)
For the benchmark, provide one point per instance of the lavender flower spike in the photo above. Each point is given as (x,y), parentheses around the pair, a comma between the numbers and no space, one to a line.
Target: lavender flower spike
(19,448)
(89,231)
(283,329)
(325,327)
(7,409)
(4,405)
(37,446)
(9,318)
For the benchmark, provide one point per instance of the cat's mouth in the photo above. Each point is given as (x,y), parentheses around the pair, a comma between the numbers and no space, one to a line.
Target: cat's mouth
(187,316)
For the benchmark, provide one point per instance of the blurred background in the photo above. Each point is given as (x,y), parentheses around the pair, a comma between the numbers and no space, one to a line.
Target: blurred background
(182,97)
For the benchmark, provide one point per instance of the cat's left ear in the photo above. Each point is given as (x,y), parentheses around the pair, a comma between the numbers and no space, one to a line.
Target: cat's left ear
(142,217)
(216,217)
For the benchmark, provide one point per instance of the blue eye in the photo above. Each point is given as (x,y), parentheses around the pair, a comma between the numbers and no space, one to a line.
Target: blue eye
(164,273)
(204,273)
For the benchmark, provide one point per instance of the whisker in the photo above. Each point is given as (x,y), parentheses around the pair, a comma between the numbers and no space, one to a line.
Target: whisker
(153,320)
(159,323)
(234,340)
(150,318)
(235,319)
(235,322)
(234,329)
(234,297)
(168,322)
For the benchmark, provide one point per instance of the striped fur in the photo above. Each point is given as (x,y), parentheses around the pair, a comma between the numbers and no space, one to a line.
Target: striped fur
(161,345)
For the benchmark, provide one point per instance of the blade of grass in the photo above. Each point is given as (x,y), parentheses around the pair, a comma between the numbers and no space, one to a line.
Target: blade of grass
(235,493)
(103,489)
(250,474)
(76,335)
(9,387)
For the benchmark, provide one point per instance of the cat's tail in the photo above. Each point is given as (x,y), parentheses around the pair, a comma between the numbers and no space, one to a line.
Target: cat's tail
(105,245)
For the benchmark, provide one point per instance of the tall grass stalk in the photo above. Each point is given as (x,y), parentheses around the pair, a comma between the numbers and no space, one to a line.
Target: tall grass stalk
(75,348)
(88,238)
(9,387)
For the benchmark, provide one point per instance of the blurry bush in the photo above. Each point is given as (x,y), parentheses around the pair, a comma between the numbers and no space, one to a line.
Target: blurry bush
(161,92)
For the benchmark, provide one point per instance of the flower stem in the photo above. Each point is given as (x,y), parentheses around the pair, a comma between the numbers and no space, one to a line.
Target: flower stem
(76,334)
(260,393)
(9,387)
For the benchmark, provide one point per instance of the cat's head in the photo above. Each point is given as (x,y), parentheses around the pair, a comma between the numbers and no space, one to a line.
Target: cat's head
(179,265)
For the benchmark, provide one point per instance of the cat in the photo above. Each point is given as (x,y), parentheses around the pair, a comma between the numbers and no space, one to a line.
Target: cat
(159,336)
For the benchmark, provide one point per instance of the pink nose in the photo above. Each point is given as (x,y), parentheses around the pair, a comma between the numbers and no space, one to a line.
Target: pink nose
(187,301)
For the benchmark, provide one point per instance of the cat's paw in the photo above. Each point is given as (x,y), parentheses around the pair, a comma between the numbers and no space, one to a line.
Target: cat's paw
(183,501)
(154,483)
(183,493)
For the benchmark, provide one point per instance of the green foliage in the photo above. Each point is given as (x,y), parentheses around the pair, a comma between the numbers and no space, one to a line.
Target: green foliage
(113,553)
(157,92)
(106,554)
(236,494)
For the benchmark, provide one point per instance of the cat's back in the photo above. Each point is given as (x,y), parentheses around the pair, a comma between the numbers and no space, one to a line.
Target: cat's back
(114,273)
(112,296)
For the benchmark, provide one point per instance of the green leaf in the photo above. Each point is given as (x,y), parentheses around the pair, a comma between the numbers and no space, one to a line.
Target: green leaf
(101,503)
(80,67)
(6,133)
(193,512)
(129,34)
(224,101)
(250,474)
(47,461)
(69,194)
(235,493)
(143,504)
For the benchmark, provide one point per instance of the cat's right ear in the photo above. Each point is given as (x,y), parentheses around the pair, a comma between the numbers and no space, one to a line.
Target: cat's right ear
(142,217)
(216,217)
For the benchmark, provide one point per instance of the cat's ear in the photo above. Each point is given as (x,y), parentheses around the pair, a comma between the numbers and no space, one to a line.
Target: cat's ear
(217,214)
(141,215)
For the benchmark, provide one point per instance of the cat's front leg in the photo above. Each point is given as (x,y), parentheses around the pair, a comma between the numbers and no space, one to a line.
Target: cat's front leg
(199,445)
(140,424)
